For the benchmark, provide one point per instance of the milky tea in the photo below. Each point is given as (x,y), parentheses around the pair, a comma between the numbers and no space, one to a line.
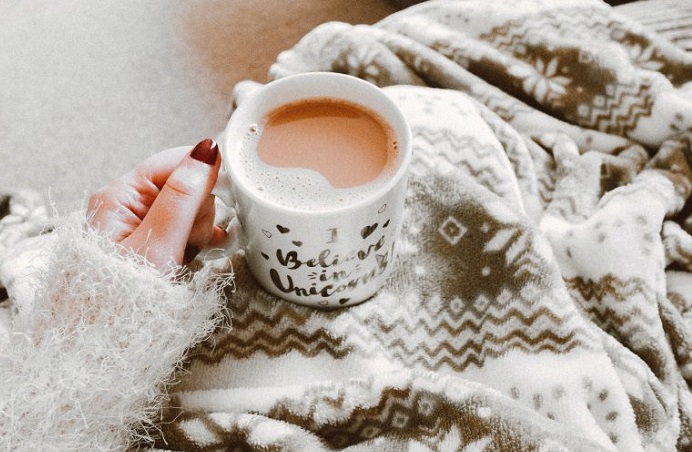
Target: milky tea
(319,153)
(318,168)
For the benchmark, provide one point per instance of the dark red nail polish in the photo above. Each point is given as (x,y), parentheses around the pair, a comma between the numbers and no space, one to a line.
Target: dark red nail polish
(206,151)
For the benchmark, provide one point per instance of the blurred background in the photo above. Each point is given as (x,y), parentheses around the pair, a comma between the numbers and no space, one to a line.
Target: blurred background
(88,89)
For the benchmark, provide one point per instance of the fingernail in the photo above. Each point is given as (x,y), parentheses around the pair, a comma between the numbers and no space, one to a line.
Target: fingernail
(206,151)
(190,253)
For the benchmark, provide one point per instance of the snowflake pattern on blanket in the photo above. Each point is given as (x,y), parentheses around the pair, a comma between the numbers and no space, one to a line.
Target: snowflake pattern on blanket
(542,298)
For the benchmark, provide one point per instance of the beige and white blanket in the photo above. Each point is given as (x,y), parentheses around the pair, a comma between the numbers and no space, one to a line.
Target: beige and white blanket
(542,297)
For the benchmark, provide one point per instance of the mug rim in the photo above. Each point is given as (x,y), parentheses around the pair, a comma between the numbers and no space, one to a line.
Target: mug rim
(395,119)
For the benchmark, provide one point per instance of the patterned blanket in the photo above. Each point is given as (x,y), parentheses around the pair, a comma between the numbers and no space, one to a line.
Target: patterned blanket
(542,296)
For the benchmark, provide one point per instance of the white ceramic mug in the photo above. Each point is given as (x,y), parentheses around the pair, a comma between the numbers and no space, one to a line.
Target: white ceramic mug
(339,255)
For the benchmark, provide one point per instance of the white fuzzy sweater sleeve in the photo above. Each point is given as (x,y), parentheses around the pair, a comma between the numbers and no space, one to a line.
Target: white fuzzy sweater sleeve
(94,343)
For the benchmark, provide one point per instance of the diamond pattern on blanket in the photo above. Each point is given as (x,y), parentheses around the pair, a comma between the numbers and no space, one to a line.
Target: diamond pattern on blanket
(541,295)
(486,299)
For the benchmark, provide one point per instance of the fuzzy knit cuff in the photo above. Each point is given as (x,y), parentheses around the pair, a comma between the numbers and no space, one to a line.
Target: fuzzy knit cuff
(94,341)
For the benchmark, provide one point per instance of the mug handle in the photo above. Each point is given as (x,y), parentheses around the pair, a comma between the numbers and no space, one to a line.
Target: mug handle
(222,189)
(231,244)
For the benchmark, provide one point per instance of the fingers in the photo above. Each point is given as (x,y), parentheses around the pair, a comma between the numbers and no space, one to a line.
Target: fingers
(202,228)
(108,213)
(183,200)
(118,208)
(204,231)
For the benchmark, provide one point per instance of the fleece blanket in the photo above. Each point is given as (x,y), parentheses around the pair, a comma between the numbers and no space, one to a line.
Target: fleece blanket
(542,294)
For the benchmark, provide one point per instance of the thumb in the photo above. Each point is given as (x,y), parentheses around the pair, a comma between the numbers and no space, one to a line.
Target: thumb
(164,232)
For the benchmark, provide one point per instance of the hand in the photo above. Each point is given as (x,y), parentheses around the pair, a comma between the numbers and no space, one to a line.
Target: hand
(163,209)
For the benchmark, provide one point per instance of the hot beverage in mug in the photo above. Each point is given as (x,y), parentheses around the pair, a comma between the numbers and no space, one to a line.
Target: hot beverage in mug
(317,165)
(345,143)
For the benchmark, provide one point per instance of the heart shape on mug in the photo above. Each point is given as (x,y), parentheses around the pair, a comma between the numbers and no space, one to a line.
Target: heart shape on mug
(368,230)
